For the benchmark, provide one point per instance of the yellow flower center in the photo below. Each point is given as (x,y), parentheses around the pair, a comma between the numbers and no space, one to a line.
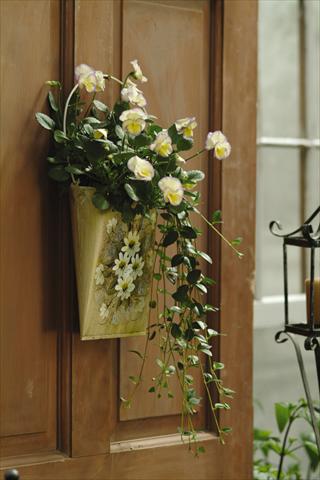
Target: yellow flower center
(134,128)
(164,149)
(188,132)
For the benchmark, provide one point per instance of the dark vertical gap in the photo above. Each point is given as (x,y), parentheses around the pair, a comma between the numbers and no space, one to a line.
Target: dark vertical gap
(303,132)
(214,171)
(65,292)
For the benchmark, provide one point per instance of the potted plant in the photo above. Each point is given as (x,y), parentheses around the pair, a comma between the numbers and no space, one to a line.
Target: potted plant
(128,179)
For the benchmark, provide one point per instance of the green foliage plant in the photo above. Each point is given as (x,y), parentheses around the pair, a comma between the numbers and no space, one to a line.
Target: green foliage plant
(135,167)
(285,446)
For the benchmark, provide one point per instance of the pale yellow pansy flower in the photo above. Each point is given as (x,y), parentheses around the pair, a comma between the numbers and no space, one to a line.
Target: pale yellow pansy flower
(162,144)
(100,133)
(179,160)
(222,150)
(92,80)
(213,138)
(138,72)
(186,127)
(172,190)
(130,93)
(133,121)
(142,169)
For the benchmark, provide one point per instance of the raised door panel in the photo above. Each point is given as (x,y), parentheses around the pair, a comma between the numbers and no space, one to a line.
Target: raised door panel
(171,42)
(29,57)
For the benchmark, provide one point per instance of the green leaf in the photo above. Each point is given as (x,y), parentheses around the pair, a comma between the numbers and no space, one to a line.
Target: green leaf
(201,449)
(236,241)
(226,429)
(217,366)
(188,232)
(313,454)
(195,175)
(157,276)
(261,435)
(176,330)
(59,174)
(100,202)
(201,287)
(177,260)
(282,413)
(119,132)
(45,121)
(183,144)
(216,216)
(152,304)
(205,256)
(136,352)
(151,390)
(53,83)
(59,136)
(170,238)
(100,106)
(130,191)
(74,169)
(173,134)
(52,102)
(181,294)
(153,129)
(194,276)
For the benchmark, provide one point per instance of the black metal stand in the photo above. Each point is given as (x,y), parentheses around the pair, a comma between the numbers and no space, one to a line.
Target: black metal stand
(311,343)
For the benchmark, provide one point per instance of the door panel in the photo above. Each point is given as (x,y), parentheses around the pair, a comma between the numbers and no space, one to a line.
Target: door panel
(28,333)
(176,63)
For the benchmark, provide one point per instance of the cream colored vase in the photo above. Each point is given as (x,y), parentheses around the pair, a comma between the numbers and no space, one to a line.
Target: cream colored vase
(114,268)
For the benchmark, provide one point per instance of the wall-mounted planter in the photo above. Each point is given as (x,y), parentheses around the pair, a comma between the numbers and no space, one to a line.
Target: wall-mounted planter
(114,268)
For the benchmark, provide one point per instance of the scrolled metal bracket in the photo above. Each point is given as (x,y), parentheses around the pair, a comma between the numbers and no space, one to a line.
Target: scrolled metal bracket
(311,343)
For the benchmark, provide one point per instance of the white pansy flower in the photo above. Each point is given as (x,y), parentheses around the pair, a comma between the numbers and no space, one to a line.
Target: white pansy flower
(138,72)
(222,150)
(133,121)
(131,244)
(121,263)
(186,127)
(162,144)
(100,133)
(172,190)
(136,266)
(130,93)
(91,79)
(213,138)
(125,287)
(111,225)
(142,169)
(104,312)
(179,160)
(98,276)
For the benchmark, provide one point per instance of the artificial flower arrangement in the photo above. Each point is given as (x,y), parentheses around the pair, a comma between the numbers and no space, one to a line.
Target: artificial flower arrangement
(127,175)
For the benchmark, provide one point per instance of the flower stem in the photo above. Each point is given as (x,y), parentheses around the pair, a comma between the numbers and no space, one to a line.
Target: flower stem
(196,154)
(66,108)
(218,232)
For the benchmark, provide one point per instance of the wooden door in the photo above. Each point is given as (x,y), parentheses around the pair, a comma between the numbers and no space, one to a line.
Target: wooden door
(60,409)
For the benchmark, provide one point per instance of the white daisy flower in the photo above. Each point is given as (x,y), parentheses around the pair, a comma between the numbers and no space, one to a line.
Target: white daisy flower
(131,244)
(121,263)
(111,225)
(104,312)
(98,276)
(125,287)
(136,266)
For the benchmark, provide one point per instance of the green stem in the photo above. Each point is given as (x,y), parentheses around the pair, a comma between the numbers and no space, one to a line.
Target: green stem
(217,232)
(196,154)
(66,108)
